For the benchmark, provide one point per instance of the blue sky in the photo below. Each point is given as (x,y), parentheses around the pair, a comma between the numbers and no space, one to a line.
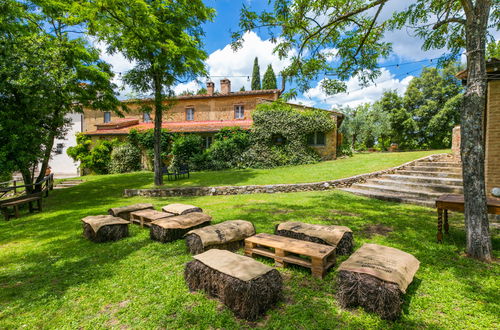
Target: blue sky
(222,61)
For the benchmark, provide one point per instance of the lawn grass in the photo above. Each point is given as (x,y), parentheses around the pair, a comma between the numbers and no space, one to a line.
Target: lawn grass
(51,277)
(328,170)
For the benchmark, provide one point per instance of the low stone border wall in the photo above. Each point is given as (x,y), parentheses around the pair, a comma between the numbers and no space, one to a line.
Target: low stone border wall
(269,189)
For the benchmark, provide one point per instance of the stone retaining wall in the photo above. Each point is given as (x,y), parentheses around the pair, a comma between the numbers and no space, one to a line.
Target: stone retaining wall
(269,189)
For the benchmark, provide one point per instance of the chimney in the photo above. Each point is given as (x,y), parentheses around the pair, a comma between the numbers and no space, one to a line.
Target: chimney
(225,86)
(210,88)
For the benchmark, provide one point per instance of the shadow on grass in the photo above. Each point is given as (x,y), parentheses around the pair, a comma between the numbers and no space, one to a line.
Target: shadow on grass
(44,255)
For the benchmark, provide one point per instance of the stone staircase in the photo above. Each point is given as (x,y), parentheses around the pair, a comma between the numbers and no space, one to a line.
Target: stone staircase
(67,184)
(418,183)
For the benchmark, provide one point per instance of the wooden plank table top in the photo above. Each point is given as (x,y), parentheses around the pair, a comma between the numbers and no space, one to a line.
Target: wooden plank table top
(145,217)
(454,202)
(289,250)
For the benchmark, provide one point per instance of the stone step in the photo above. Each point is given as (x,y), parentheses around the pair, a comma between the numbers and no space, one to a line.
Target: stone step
(417,186)
(430,174)
(423,179)
(391,197)
(439,164)
(405,193)
(434,169)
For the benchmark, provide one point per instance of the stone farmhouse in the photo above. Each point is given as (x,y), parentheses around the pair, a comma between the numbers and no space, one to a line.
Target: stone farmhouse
(201,114)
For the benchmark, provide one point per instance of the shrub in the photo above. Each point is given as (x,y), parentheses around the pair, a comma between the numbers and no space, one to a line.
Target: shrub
(184,148)
(144,140)
(125,158)
(94,158)
(228,147)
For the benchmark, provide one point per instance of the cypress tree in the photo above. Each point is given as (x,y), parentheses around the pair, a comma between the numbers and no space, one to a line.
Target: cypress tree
(256,75)
(269,81)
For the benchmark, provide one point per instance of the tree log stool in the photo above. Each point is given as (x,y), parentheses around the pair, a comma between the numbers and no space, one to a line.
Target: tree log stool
(180,209)
(104,228)
(376,277)
(340,237)
(227,235)
(124,211)
(145,217)
(246,286)
(172,228)
(318,257)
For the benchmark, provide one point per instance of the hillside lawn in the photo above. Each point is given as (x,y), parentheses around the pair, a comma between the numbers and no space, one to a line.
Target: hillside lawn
(52,277)
(328,170)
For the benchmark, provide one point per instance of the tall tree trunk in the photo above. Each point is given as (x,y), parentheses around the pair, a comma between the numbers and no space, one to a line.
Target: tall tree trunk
(157,131)
(472,134)
(27,179)
(46,156)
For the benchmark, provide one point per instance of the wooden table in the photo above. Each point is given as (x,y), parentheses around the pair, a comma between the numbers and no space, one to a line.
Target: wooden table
(145,217)
(447,203)
(292,251)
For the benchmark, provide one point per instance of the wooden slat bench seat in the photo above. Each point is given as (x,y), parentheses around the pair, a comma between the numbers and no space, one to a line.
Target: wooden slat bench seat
(284,250)
(145,217)
(452,202)
(21,200)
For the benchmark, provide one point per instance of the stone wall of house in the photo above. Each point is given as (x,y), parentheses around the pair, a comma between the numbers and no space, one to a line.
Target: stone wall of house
(270,189)
(329,150)
(492,160)
(205,109)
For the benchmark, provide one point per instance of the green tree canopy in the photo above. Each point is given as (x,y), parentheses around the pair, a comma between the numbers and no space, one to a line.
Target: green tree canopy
(46,72)
(269,81)
(163,38)
(432,101)
(256,75)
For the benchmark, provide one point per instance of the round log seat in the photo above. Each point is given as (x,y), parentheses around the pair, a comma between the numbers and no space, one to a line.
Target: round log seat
(376,277)
(124,211)
(180,209)
(228,235)
(340,237)
(246,286)
(104,228)
(175,227)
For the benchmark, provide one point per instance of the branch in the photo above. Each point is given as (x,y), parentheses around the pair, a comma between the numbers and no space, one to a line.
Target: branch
(449,20)
(369,31)
(468,6)
(340,19)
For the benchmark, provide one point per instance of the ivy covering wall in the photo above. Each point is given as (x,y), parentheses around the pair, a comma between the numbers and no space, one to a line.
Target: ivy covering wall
(279,135)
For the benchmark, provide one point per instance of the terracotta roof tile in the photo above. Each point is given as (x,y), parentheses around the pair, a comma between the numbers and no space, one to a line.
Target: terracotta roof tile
(177,127)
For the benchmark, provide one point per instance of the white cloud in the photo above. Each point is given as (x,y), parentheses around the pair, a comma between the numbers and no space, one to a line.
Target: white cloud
(357,95)
(226,63)
(120,65)
(192,86)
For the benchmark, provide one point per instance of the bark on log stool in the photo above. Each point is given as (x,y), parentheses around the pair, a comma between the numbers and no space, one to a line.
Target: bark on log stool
(124,211)
(104,228)
(376,277)
(228,235)
(246,286)
(338,236)
(175,227)
(180,209)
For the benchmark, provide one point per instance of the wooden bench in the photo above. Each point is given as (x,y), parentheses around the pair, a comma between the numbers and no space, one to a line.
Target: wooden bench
(286,250)
(145,217)
(21,200)
(451,202)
